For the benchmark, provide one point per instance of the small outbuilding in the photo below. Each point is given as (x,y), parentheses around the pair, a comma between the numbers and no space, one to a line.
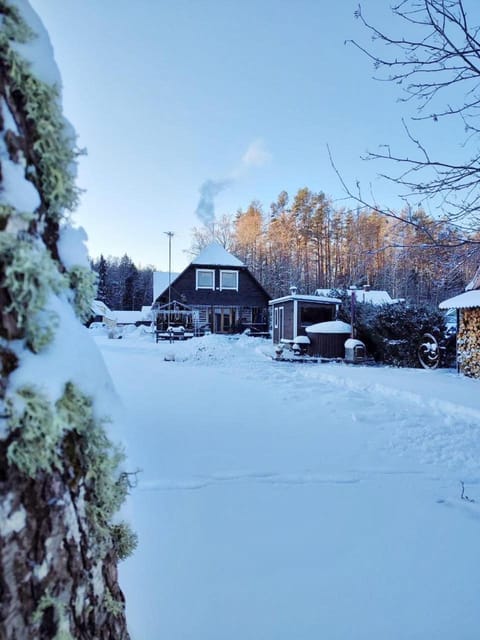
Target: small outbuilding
(293,314)
(101,313)
(467,305)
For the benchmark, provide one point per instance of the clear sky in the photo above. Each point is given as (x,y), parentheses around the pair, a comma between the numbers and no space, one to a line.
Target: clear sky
(167,94)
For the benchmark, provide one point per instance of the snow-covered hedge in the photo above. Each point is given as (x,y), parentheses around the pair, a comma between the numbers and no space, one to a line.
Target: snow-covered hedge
(392,333)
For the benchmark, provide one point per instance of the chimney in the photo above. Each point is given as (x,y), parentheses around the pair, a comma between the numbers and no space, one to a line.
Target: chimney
(293,290)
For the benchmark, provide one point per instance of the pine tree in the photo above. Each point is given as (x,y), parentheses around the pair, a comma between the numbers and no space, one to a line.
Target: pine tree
(102,279)
(60,481)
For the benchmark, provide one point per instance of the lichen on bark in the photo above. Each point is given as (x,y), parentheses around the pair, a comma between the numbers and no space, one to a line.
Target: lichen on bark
(61,480)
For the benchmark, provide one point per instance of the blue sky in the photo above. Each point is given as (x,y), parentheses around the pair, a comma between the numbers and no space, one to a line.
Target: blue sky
(166,94)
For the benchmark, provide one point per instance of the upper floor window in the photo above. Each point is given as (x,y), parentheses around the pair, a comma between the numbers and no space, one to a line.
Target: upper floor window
(205,279)
(229,280)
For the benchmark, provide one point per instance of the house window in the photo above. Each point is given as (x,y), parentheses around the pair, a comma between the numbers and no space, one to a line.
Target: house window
(205,279)
(229,280)
(275,316)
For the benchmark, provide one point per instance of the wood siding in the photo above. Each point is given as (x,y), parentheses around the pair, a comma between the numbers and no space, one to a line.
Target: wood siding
(249,294)
(287,321)
(328,345)
(228,310)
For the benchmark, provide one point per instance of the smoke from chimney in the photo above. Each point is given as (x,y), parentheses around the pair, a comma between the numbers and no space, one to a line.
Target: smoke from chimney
(206,205)
(255,156)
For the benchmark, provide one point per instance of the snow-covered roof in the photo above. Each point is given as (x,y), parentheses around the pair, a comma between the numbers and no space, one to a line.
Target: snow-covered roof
(371,296)
(99,308)
(465,300)
(130,317)
(216,255)
(160,282)
(333,326)
(317,299)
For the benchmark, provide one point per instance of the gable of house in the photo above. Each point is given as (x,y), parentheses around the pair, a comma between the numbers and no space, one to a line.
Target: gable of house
(216,277)
(215,254)
(221,288)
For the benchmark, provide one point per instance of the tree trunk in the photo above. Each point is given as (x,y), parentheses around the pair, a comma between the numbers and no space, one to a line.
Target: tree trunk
(50,580)
(60,482)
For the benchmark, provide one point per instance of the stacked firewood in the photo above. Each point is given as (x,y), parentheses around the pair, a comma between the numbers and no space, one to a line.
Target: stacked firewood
(468,342)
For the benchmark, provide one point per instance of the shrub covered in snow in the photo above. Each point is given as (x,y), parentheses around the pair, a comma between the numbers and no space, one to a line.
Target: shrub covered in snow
(393,332)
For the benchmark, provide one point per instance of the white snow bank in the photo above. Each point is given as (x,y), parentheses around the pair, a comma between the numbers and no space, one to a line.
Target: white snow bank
(276,496)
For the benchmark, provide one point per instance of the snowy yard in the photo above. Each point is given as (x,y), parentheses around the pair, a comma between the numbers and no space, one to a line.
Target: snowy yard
(281,501)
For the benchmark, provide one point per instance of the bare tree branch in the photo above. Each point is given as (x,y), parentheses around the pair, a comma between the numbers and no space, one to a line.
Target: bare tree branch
(437,65)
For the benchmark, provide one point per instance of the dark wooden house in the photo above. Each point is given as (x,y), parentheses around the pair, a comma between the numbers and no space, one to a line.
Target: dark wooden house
(291,315)
(220,291)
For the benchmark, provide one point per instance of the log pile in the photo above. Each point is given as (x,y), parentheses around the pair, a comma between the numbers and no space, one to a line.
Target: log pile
(468,342)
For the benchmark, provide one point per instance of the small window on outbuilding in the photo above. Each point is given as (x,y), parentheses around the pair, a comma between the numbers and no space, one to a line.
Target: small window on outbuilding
(311,314)
(205,279)
(229,280)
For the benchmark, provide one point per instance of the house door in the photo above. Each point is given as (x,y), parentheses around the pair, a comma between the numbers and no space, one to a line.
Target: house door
(225,319)
(278,324)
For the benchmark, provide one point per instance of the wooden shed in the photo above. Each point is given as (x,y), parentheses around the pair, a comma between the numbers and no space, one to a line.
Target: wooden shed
(101,313)
(291,315)
(467,305)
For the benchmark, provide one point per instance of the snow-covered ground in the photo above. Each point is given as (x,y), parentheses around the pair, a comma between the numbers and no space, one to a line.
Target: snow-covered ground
(287,501)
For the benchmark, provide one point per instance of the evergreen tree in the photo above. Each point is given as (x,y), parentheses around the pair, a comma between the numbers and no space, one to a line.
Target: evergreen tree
(102,279)
(130,288)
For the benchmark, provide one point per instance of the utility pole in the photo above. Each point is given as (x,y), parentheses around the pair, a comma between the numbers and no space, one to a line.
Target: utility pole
(170,235)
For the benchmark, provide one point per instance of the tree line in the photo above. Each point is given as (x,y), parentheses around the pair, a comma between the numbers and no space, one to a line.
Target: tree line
(308,242)
(121,284)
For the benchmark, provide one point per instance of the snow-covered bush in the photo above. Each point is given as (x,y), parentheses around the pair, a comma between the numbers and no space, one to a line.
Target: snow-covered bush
(392,333)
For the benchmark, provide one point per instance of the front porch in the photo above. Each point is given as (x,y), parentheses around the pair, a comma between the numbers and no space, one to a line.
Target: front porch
(181,320)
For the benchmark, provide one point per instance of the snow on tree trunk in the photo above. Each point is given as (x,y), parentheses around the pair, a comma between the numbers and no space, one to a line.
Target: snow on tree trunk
(61,481)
